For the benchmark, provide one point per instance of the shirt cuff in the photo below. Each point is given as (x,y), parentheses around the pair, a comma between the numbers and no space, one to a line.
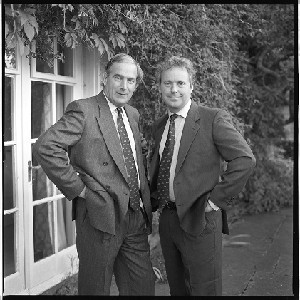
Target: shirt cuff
(214,207)
(82,194)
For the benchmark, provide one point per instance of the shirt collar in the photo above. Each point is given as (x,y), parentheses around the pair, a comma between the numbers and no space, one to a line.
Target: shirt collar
(111,106)
(184,111)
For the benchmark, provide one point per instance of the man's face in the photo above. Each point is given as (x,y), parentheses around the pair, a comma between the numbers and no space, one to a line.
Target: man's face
(120,83)
(175,88)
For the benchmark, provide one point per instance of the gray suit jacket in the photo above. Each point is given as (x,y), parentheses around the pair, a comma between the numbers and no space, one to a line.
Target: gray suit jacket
(87,133)
(208,139)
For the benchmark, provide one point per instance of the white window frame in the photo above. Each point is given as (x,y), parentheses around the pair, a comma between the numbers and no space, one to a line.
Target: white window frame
(50,76)
(33,273)
(57,264)
(17,279)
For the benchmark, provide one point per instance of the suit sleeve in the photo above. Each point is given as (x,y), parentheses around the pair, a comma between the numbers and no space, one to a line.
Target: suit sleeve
(240,160)
(51,149)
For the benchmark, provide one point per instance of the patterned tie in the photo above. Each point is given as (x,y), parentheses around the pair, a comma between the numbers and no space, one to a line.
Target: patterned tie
(165,164)
(129,163)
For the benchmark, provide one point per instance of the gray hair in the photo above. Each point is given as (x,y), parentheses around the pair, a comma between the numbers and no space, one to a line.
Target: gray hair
(176,61)
(123,57)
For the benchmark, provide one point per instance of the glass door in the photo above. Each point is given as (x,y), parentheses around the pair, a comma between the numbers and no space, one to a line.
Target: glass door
(38,233)
(13,237)
(51,249)
(53,231)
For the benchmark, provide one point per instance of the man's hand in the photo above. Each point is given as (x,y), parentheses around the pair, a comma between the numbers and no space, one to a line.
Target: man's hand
(208,208)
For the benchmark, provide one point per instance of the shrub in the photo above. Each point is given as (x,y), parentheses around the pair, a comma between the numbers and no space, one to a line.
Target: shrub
(270,187)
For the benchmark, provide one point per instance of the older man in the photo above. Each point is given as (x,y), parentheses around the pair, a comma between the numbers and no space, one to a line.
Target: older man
(105,178)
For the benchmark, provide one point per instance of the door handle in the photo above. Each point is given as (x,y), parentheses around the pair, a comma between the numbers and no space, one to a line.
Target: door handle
(29,170)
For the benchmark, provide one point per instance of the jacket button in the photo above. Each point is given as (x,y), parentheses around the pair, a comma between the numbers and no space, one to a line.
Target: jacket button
(105,163)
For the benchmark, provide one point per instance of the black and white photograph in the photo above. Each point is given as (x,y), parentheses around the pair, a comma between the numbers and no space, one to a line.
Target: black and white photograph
(148,150)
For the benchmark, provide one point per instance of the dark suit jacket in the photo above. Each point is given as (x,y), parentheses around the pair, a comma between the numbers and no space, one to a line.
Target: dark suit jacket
(208,139)
(88,134)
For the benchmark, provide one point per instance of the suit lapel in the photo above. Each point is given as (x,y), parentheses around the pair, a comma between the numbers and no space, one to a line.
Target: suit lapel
(158,135)
(189,132)
(110,135)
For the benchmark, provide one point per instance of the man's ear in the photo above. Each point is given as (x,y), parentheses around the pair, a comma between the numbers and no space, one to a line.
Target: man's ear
(159,87)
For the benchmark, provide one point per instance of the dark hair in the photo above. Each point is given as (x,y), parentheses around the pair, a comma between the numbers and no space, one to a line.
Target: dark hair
(176,61)
(123,57)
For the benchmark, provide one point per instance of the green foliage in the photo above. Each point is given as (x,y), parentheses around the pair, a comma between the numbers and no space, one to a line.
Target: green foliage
(243,54)
(270,187)
(20,27)
(184,30)
(97,26)
(264,67)
(266,76)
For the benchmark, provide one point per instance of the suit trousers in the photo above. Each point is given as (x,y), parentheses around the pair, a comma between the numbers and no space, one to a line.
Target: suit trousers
(126,254)
(193,263)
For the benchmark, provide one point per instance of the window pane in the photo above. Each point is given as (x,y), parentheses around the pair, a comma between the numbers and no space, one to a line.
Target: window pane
(8,177)
(42,187)
(65,226)
(41,65)
(9,244)
(57,191)
(10,58)
(8,109)
(63,98)
(43,237)
(41,117)
(65,68)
